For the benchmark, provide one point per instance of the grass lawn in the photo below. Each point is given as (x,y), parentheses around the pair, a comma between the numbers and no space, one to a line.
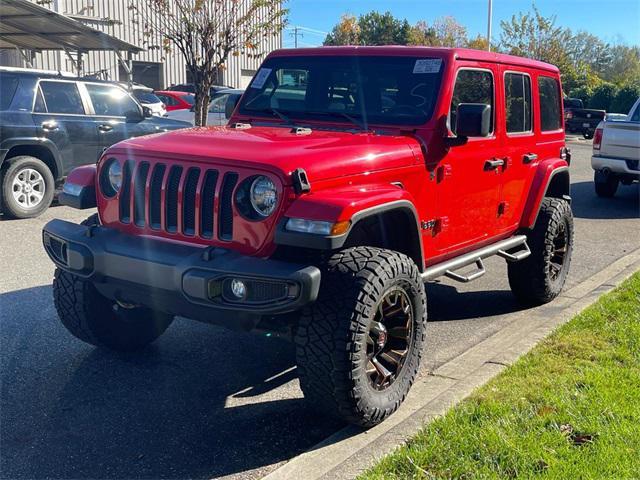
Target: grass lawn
(569,409)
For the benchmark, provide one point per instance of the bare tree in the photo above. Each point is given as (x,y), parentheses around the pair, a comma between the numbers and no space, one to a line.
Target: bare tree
(208,32)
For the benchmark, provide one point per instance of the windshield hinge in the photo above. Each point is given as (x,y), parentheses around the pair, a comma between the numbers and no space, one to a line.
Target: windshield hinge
(300,181)
(240,126)
(301,130)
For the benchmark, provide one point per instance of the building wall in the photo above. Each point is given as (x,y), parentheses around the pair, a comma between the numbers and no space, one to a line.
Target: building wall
(173,71)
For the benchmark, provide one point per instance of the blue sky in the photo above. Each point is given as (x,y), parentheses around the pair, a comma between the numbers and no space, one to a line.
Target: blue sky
(615,21)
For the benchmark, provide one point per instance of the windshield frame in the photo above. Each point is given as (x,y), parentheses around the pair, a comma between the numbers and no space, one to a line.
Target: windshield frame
(332,117)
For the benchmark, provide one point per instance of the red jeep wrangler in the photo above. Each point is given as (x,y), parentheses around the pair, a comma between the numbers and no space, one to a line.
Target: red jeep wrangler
(346,178)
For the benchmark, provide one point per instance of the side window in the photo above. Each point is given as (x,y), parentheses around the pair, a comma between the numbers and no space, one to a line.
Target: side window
(39,106)
(549,97)
(472,86)
(8,86)
(62,97)
(111,101)
(636,115)
(517,92)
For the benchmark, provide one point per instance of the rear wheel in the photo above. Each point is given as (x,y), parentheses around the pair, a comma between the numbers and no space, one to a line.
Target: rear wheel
(606,187)
(539,278)
(27,187)
(360,344)
(99,321)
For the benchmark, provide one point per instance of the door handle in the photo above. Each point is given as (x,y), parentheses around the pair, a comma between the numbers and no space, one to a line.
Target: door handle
(50,125)
(493,163)
(104,127)
(529,157)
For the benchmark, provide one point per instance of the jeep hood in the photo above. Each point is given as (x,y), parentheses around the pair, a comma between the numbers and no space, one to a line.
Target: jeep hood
(323,154)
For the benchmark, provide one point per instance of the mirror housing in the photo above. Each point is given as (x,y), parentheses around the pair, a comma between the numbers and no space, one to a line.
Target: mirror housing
(133,116)
(473,120)
(146,112)
(232,103)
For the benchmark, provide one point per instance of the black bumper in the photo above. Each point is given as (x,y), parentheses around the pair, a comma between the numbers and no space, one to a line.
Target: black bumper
(180,279)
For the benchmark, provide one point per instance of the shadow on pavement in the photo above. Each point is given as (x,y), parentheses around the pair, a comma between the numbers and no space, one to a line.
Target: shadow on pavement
(586,204)
(446,303)
(72,411)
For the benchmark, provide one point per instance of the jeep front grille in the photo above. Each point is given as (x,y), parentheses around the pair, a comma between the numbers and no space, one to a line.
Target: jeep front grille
(178,200)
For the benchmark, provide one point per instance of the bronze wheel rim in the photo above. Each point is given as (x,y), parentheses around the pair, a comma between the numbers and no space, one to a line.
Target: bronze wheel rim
(559,252)
(389,338)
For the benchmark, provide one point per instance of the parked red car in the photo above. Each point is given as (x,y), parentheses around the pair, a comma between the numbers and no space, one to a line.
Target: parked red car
(346,178)
(176,100)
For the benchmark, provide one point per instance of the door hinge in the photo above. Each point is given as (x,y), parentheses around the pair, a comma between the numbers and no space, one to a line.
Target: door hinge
(444,172)
(502,208)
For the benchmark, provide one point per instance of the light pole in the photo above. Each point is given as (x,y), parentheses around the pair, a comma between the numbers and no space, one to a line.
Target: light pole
(489,27)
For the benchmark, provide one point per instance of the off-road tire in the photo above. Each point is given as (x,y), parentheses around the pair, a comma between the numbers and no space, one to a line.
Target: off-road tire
(99,321)
(331,336)
(608,188)
(532,280)
(10,170)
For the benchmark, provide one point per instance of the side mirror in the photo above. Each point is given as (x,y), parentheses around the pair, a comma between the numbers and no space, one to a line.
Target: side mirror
(133,116)
(146,112)
(230,106)
(473,120)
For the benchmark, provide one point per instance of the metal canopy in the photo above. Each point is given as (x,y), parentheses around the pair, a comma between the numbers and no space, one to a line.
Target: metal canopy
(28,26)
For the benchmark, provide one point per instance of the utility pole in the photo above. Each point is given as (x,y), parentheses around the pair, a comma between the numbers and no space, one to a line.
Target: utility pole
(294,34)
(489,26)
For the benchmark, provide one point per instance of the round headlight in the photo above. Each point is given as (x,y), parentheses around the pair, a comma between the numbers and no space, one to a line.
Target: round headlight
(115,175)
(263,196)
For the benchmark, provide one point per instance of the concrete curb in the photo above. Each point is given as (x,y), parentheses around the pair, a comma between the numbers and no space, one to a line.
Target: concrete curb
(351,450)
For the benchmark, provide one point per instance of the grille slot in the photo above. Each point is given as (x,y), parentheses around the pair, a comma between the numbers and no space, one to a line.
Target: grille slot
(172,199)
(155,196)
(207,198)
(180,200)
(125,193)
(139,186)
(189,201)
(225,221)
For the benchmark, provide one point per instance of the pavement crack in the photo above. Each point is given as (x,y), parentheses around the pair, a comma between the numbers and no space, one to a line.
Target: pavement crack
(495,362)
(432,374)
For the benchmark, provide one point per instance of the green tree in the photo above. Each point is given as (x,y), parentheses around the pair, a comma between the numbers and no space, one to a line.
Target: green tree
(207,32)
(603,96)
(582,92)
(346,32)
(625,98)
(372,28)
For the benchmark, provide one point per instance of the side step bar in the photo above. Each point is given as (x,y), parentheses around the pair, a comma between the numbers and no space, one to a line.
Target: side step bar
(500,248)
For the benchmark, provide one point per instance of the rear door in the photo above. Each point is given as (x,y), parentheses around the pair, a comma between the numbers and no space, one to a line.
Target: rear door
(521,154)
(468,176)
(60,115)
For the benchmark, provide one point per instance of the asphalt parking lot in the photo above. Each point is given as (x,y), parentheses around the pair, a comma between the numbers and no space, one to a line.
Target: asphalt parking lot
(202,402)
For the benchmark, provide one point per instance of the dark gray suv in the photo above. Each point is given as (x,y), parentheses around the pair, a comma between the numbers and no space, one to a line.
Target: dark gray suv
(51,123)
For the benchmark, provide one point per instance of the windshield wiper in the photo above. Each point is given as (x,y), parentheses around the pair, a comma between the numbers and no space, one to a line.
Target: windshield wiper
(360,124)
(277,113)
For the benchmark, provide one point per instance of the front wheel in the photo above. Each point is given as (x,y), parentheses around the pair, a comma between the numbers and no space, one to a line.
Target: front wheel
(539,278)
(360,344)
(27,187)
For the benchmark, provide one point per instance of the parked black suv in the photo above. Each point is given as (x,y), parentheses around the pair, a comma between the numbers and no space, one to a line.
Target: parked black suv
(51,123)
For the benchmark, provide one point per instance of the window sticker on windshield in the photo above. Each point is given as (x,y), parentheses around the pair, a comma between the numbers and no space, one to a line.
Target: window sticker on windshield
(427,65)
(260,78)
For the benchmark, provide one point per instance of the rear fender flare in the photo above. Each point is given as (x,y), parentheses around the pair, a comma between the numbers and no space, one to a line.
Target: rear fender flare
(10,143)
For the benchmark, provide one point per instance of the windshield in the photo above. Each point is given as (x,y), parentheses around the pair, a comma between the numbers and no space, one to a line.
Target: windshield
(373,89)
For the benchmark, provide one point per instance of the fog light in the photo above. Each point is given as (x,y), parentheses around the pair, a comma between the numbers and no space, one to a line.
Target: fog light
(238,288)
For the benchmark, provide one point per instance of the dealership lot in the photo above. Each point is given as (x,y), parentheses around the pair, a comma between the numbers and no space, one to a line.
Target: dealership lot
(203,402)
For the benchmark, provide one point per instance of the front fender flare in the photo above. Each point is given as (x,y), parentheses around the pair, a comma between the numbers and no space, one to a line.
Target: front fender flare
(352,204)
(543,185)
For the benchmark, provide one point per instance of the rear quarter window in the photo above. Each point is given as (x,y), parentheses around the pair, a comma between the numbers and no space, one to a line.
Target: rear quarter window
(8,86)
(549,98)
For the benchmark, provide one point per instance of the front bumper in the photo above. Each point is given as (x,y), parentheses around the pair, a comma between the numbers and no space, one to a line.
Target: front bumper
(180,279)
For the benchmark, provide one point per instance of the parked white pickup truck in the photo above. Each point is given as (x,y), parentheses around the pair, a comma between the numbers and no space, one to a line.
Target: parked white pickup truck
(616,153)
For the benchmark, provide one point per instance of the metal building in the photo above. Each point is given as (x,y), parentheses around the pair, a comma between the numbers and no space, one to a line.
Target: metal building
(152,67)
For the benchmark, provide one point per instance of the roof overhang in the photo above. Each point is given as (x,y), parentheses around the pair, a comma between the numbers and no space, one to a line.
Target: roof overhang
(28,26)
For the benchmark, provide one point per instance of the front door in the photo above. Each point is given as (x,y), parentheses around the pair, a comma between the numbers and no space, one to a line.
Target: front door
(59,115)
(116,116)
(469,175)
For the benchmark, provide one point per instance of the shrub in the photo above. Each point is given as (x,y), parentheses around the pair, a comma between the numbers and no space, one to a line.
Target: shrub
(625,98)
(603,96)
